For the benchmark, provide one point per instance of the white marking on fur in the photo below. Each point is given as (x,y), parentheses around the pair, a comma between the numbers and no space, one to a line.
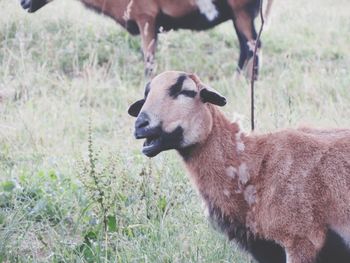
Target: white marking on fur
(145,29)
(151,43)
(226,192)
(205,209)
(127,12)
(207,8)
(251,45)
(231,172)
(243,173)
(287,258)
(304,173)
(250,194)
(249,64)
(238,118)
(239,143)
(248,67)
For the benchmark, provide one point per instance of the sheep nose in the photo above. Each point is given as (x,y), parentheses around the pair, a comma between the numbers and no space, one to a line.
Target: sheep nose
(142,121)
(142,126)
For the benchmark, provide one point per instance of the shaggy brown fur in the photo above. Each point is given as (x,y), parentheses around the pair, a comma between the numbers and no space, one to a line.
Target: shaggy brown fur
(147,17)
(290,187)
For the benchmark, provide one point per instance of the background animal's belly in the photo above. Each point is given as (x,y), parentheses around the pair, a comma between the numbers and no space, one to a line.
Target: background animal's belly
(194,19)
(177,8)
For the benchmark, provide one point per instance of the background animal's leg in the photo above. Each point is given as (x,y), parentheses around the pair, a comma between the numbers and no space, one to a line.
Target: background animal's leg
(245,28)
(243,54)
(267,13)
(149,42)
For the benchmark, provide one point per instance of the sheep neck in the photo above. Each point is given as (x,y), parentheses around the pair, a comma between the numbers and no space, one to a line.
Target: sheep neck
(210,164)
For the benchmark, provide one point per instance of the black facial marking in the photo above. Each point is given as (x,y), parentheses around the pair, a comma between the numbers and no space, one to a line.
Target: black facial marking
(188,93)
(186,152)
(175,89)
(173,139)
(163,141)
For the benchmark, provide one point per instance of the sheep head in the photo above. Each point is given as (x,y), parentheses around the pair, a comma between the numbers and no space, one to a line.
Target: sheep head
(174,113)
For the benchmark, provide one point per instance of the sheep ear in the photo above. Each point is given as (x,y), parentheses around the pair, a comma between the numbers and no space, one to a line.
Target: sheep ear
(212,96)
(195,78)
(135,108)
(208,94)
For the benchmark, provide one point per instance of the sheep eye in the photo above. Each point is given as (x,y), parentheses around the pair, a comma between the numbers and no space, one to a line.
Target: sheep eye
(188,93)
(175,89)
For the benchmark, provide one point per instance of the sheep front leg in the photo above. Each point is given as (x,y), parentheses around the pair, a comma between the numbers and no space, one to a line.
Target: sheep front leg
(302,251)
(148,32)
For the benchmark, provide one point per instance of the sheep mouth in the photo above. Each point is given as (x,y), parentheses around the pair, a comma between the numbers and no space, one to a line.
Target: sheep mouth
(162,141)
(152,146)
(153,142)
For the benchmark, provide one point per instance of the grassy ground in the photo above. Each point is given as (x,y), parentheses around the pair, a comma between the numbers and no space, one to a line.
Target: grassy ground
(65,69)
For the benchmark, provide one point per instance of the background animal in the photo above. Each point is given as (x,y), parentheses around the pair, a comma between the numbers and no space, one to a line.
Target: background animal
(149,17)
(288,188)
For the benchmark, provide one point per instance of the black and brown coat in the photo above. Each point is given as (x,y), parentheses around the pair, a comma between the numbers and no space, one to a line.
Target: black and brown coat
(147,17)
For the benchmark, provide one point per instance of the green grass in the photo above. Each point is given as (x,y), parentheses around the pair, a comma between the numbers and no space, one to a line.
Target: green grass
(65,65)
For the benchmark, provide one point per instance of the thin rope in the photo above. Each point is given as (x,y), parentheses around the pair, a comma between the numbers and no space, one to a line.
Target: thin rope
(255,69)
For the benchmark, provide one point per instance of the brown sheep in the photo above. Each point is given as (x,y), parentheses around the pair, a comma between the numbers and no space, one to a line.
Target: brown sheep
(149,16)
(283,196)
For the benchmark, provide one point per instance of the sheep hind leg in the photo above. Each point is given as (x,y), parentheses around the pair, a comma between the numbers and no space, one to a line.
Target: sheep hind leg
(247,36)
(149,42)
(243,53)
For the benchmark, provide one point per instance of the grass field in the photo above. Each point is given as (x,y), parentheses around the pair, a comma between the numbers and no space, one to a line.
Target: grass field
(74,186)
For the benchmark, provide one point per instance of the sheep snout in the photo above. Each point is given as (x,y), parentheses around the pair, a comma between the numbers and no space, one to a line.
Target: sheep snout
(157,140)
